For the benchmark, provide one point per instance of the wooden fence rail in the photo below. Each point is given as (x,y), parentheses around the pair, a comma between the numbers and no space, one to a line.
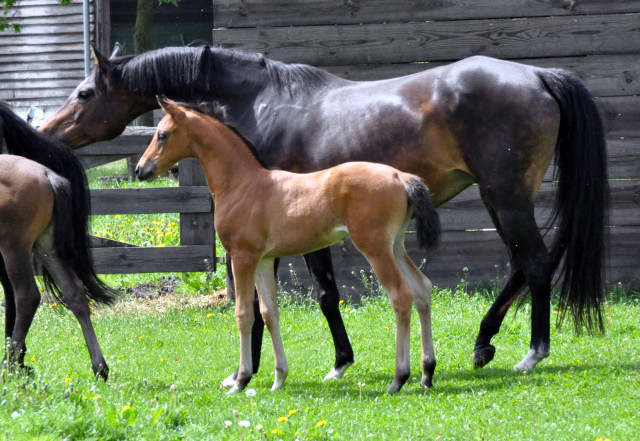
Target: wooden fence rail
(191,199)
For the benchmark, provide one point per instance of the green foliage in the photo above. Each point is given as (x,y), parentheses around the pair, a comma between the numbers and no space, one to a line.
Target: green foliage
(8,5)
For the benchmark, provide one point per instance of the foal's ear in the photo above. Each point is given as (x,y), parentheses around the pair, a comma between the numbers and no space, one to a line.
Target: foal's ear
(100,60)
(170,107)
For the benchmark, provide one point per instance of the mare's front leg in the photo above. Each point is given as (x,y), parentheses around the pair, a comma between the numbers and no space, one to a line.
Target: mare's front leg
(244,269)
(266,284)
(321,268)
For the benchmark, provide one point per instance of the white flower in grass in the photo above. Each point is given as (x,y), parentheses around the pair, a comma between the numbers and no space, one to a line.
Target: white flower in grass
(244,423)
(228,423)
(250,392)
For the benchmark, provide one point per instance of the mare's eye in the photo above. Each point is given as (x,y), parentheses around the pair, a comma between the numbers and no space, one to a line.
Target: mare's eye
(162,136)
(85,94)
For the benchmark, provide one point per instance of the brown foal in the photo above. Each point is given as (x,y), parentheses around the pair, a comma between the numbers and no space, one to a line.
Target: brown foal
(264,214)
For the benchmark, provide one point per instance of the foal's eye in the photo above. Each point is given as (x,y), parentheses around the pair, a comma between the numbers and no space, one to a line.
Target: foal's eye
(85,94)
(162,136)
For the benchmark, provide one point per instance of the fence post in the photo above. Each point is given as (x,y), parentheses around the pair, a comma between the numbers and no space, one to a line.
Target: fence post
(195,229)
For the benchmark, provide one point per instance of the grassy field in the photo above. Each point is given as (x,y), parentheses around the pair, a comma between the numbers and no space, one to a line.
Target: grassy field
(167,357)
(168,354)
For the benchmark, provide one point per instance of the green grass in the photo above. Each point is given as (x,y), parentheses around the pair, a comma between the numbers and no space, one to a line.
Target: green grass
(167,360)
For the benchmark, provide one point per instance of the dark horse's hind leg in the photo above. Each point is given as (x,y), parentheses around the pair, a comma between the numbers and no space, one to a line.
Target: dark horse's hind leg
(321,268)
(532,266)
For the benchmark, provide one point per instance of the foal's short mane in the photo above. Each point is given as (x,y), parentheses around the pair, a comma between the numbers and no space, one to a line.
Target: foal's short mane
(217,111)
(191,72)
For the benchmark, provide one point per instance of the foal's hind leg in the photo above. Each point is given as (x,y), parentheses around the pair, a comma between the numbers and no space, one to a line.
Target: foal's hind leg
(381,258)
(266,284)
(26,299)
(321,268)
(421,288)
(73,294)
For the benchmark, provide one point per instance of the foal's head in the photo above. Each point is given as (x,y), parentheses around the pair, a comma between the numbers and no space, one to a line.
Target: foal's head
(170,143)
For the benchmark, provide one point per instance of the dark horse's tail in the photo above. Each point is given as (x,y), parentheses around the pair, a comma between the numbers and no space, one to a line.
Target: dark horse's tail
(72,240)
(582,200)
(427,218)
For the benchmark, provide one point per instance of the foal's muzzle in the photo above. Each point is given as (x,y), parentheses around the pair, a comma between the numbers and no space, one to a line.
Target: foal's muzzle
(146,171)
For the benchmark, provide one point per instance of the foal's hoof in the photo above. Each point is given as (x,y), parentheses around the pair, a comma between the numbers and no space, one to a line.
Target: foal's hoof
(482,355)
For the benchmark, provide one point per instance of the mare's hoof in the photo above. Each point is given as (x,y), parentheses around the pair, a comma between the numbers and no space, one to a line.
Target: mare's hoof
(230,381)
(483,355)
(102,371)
(337,372)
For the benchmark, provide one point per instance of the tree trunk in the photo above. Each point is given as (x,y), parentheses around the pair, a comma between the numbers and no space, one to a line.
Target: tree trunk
(142,43)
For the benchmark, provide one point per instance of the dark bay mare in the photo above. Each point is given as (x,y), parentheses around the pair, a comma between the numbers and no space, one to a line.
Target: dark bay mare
(44,210)
(496,123)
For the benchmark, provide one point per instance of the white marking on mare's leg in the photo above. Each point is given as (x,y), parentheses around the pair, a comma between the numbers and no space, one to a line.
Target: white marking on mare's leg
(228,382)
(531,360)
(337,373)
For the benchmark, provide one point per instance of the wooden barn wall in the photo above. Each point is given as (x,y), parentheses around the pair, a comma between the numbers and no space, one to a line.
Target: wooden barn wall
(42,64)
(368,40)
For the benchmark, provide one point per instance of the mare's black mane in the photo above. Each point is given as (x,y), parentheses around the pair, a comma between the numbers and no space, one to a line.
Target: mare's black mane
(170,70)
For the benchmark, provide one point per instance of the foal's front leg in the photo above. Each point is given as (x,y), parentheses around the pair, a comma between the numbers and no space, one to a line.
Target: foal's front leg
(266,284)
(244,272)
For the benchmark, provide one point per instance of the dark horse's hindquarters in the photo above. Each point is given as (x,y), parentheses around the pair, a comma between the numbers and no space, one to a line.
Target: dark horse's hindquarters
(480,120)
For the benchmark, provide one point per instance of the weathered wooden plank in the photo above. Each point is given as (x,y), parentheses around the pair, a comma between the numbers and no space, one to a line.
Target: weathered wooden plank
(620,115)
(52,57)
(127,260)
(467,212)
(33,85)
(452,40)
(194,228)
(264,13)
(10,45)
(151,200)
(472,257)
(603,75)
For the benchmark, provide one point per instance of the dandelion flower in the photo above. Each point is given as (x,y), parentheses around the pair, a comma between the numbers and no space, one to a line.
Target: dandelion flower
(283,419)
(293,412)
(250,392)
(244,423)
(321,423)
(276,431)
(228,423)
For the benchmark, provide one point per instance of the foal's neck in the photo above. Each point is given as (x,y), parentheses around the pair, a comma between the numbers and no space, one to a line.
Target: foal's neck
(227,161)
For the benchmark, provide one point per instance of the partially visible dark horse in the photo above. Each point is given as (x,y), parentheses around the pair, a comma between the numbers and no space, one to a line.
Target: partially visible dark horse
(482,120)
(44,209)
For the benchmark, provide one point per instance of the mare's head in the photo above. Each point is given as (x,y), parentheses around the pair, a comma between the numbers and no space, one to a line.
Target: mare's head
(98,109)
(169,145)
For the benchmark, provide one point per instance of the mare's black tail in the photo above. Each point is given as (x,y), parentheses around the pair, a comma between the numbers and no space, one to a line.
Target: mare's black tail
(427,218)
(23,140)
(582,200)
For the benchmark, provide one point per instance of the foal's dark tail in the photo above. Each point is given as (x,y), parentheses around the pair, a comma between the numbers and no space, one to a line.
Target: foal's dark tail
(73,245)
(582,201)
(427,218)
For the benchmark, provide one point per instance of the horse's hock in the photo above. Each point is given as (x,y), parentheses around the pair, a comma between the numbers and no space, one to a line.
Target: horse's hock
(192,199)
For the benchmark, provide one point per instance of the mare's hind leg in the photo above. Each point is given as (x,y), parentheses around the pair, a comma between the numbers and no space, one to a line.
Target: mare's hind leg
(321,268)
(266,284)
(25,301)
(532,264)
(73,295)
(421,289)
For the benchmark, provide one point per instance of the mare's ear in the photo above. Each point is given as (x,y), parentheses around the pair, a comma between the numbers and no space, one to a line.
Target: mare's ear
(100,60)
(117,51)
(170,107)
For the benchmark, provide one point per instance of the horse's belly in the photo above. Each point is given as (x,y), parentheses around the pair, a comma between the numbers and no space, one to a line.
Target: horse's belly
(304,238)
